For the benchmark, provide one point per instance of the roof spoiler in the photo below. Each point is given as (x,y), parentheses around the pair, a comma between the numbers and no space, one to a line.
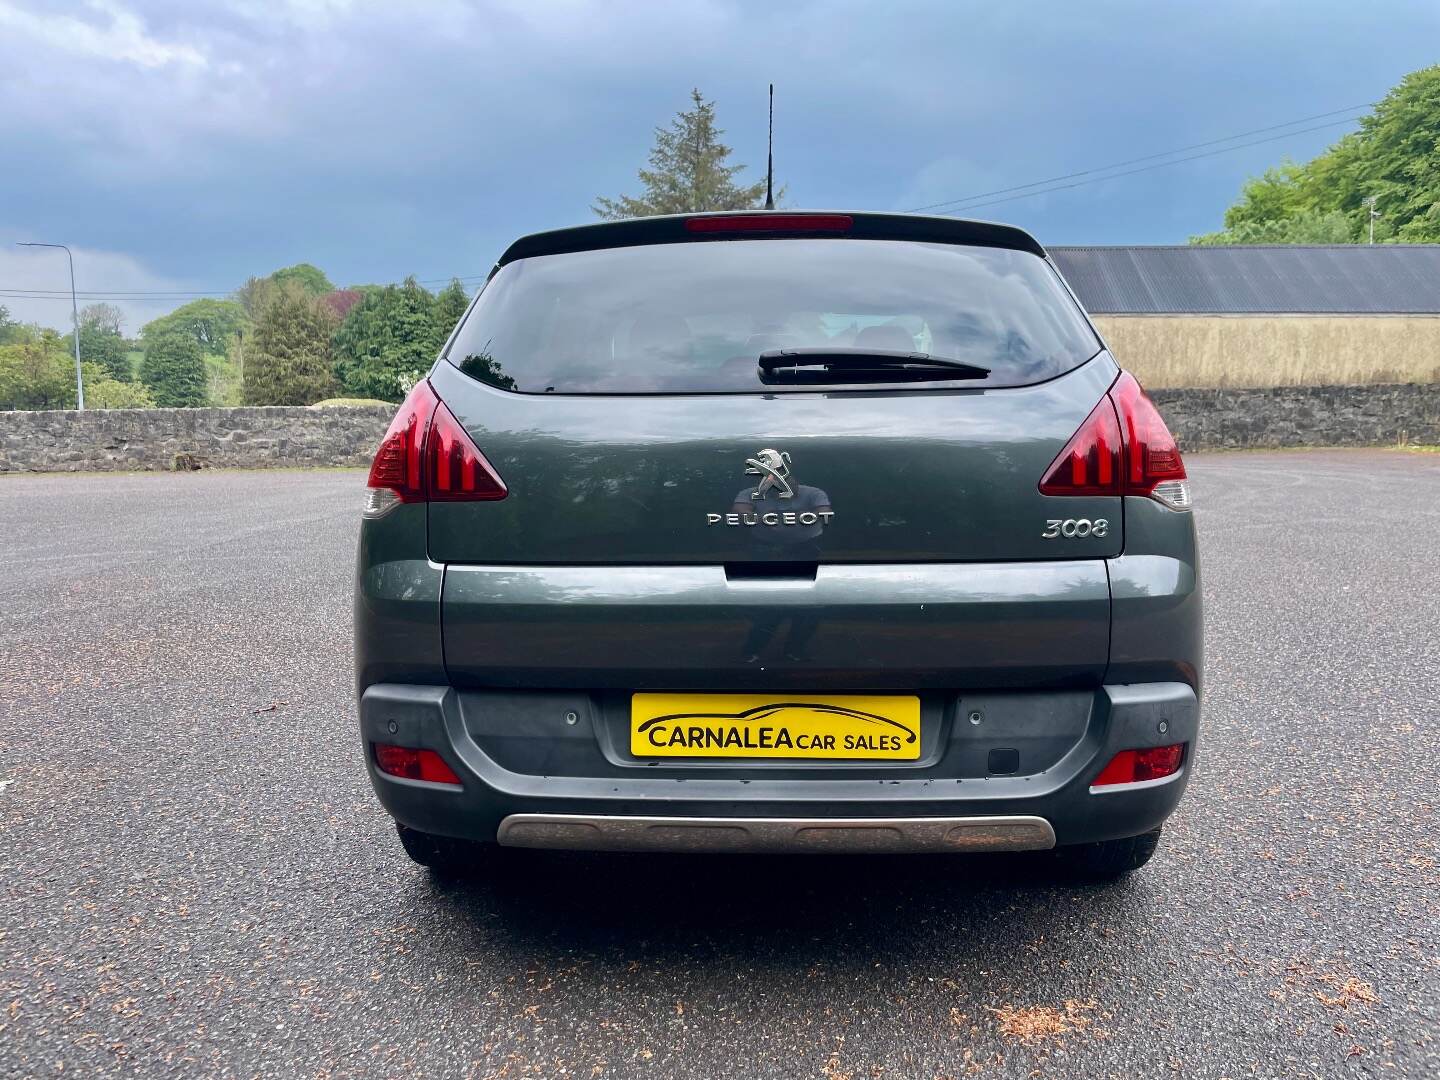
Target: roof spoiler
(751,225)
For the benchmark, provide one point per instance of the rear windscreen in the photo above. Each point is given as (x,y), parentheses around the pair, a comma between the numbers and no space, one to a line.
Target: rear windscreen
(695,317)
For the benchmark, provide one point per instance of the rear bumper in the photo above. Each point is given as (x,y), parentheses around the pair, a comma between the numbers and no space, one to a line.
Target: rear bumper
(914,808)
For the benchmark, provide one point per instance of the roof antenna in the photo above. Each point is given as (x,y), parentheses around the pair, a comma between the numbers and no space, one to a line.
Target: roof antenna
(770,156)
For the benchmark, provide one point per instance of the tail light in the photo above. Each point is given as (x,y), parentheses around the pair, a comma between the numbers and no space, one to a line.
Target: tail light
(1137,766)
(412,764)
(1122,448)
(426,456)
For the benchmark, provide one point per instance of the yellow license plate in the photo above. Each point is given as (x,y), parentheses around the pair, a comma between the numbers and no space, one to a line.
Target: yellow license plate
(853,726)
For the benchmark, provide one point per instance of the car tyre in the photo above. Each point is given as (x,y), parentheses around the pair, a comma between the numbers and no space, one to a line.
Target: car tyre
(443,856)
(1108,860)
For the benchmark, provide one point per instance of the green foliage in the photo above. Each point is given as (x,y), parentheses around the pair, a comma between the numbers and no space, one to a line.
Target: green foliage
(349,403)
(253,296)
(287,360)
(1301,227)
(40,374)
(37,374)
(101,342)
(106,350)
(209,323)
(309,278)
(1393,159)
(104,392)
(223,384)
(688,171)
(389,338)
(173,370)
(450,304)
(11,332)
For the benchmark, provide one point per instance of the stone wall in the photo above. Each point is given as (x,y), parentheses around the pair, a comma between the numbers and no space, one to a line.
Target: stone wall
(251,438)
(133,439)
(1303,416)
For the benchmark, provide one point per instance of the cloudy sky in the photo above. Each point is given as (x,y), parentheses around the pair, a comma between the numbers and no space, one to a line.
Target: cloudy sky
(182,145)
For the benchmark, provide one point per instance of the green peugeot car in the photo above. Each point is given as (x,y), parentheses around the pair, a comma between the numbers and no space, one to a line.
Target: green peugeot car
(779,532)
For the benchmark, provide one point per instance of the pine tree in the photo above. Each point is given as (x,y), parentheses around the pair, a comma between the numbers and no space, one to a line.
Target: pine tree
(388,340)
(450,304)
(688,171)
(288,361)
(173,370)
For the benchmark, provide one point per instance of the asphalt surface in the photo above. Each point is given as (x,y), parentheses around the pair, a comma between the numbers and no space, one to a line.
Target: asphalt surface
(196,880)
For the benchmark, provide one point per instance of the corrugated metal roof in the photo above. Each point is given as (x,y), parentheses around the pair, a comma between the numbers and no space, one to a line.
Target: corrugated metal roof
(1338,279)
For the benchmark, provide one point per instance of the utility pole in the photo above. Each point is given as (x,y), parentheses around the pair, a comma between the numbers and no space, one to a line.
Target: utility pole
(1370,202)
(75,318)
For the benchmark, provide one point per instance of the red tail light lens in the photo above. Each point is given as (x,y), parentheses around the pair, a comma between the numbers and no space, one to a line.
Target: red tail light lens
(1090,462)
(397,464)
(1151,457)
(454,465)
(427,455)
(1122,448)
(413,764)
(1135,766)
(770,222)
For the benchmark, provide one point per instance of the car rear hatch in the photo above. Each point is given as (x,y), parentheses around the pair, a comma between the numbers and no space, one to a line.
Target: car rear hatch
(616,391)
(672,517)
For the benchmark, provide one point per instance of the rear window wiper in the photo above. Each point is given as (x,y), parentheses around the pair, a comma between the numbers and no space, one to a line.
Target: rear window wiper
(842,365)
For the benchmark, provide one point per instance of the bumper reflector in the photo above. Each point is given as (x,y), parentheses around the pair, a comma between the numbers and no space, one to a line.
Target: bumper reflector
(1137,766)
(412,764)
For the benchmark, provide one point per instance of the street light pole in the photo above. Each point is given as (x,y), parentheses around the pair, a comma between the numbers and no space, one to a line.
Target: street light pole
(75,319)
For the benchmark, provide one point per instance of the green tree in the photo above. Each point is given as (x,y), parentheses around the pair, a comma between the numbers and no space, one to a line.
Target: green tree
(210,323)
(254,295)
(1393,159)
(1302,227)
(173,370)
(450,304)
(688,171)
(104,392)
(310,278)
(287,360)
(105,349)
(37,374)
(11,332)
(388,338)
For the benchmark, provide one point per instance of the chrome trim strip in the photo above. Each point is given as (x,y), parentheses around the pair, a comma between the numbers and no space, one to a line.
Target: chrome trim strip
(583,832)
(1138,785)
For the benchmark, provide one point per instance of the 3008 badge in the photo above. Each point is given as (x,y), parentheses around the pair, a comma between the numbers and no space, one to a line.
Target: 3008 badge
(1074,528)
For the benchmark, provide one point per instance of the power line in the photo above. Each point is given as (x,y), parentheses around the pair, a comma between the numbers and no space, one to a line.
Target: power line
(1149,168)
(1152,157)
